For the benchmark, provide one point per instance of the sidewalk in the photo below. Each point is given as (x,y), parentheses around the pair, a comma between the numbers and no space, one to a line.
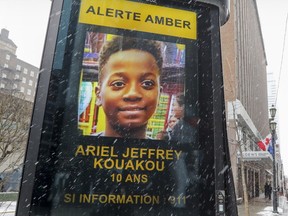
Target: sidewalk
(7,208)
(259,206)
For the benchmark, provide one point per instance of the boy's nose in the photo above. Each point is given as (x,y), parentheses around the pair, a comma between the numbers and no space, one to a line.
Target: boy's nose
(133,93)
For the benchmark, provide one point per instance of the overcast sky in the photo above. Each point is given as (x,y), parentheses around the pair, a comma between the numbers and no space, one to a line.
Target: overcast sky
(27,22)
(273,18)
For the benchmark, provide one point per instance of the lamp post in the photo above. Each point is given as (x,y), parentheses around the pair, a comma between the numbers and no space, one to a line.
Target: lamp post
(273,129)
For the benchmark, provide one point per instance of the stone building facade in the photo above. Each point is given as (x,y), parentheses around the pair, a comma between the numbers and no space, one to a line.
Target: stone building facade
(16,75)
(245,83)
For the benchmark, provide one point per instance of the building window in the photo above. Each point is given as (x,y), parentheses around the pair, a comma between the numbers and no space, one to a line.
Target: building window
(24,80)
(4,75)
(29,92)
(32,73)
(7,57)
(5,65)
(15,86)
(30,82)
(2,85)
(18,68)
(16,76)
(22,89)
(25,71)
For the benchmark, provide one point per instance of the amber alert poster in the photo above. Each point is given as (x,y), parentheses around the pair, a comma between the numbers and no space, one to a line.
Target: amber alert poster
(132,145)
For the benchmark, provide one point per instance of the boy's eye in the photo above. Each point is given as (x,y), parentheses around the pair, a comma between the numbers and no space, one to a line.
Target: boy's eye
(118,84)
(148,83)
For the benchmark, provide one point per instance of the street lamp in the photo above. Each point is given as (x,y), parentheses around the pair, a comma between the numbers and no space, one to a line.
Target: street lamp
(273,125)
(272,112)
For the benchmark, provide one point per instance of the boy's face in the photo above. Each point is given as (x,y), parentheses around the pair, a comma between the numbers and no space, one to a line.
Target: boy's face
(130,88)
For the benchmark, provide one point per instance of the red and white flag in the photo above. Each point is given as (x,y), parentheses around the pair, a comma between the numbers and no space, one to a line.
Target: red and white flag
(264,144)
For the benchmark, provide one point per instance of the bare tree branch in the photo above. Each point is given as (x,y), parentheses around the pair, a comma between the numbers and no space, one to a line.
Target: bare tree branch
(15,115)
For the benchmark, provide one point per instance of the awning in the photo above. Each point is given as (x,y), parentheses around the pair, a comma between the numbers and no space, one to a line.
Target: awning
(260,159)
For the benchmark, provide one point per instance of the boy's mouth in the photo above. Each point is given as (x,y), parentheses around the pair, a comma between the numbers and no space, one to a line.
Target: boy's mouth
(131,108)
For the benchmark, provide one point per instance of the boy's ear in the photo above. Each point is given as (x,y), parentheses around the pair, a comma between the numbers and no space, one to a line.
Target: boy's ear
(161,90)
(98,97)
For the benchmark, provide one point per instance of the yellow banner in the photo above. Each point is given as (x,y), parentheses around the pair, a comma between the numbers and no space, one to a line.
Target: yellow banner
(140,17)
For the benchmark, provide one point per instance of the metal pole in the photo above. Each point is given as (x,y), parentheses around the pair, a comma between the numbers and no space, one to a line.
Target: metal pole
(274,175)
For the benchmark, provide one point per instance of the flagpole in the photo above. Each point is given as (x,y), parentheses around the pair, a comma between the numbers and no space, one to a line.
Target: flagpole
(274,175)
(273,129)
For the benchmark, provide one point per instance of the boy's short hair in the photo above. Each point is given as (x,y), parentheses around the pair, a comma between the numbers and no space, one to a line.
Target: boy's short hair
(119,43)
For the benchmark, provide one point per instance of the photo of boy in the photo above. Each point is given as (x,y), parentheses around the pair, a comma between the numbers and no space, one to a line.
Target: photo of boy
(128,85)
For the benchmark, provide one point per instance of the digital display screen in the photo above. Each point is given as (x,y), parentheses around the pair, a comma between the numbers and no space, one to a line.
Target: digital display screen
(129,87)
